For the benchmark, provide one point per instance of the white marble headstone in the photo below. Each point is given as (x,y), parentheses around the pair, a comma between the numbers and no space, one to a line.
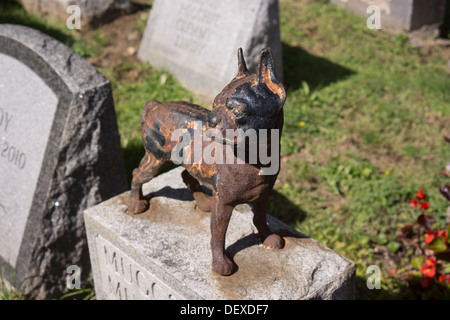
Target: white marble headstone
(197,40)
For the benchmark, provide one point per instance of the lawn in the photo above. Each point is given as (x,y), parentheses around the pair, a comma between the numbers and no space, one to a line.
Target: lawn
(365,118)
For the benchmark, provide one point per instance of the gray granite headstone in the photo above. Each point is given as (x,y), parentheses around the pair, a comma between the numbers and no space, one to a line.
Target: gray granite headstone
(197,40)
(399,15)
(59,154)
(92,12)
(165,253)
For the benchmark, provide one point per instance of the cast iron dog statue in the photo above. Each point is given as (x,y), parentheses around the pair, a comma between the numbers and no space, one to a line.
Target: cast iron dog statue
(249,101)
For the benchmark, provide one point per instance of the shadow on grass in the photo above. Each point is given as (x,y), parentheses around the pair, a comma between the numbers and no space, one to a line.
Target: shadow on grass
(133,152)
(284,209)
(299,65)
(404,291)
(362,292)
(445,27)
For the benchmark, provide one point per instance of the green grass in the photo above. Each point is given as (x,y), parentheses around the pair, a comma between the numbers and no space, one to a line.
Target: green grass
(370,112)
(7,291)
(364,121)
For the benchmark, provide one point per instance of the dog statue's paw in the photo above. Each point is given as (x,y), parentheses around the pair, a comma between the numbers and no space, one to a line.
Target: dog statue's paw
(223,266)
(137,206)
(273,241)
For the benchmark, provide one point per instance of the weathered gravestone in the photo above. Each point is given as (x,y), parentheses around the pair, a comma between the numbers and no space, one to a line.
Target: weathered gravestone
(92,12)
(165,254)
(399,15)
(196,40)
(59,154)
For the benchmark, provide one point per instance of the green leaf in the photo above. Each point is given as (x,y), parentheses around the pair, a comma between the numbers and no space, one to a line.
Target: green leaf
(414,276)
(305,87)
(381,239)
(437,245)
(393,246)
(416,262)
(446,268)
(367,172)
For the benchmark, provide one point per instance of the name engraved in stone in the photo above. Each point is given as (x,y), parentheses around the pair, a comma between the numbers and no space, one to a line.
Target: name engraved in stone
(195,26)
(124,279)
(5,119)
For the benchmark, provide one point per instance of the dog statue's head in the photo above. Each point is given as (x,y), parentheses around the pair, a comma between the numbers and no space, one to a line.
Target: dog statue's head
(249,101)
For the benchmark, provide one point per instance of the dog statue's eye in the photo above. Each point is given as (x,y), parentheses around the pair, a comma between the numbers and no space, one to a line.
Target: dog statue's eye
(230,104)
(236,112)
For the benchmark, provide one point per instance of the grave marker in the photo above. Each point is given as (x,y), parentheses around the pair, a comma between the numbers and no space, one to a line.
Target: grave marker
(59,154)
(197,40)
(399,15)
(91,12)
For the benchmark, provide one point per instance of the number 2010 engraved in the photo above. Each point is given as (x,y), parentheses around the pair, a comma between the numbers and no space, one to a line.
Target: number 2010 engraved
(13,155)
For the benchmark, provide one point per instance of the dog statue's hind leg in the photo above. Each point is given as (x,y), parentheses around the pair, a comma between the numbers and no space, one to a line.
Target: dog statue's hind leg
(203,201)
(148,169)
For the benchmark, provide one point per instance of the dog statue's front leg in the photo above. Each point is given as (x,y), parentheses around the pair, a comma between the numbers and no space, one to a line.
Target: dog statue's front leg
(269,240)
(220,218)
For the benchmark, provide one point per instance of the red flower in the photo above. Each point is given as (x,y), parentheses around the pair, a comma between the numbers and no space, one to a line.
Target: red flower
(441,233)
(428,268)
(429,237)
(392,272)
(445,278)
(429,272)
(413,203)
(425,205)
(431,261)
(420,194)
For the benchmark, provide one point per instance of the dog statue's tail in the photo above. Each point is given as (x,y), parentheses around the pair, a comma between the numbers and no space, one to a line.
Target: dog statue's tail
(147,108)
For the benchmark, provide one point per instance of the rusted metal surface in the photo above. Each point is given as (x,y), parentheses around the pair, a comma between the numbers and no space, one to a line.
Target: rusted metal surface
(249,101)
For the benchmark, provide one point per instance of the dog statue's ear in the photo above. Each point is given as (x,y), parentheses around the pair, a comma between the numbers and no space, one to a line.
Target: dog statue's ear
(242,66)
(267,74)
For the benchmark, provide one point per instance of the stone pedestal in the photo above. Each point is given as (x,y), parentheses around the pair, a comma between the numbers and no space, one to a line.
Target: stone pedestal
(165,253)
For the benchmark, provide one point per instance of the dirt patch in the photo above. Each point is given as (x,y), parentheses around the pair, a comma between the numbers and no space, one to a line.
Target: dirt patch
(119,43)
